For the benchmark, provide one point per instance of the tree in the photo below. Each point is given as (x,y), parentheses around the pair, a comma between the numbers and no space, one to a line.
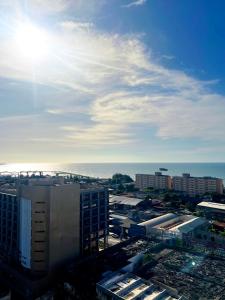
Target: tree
(119,178)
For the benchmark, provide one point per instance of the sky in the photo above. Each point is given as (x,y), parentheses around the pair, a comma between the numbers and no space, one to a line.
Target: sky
(112,81)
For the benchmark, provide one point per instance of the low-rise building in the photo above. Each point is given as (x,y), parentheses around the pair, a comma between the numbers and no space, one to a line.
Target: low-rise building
(124,202)
(169,226)
(212,210)
(127,286)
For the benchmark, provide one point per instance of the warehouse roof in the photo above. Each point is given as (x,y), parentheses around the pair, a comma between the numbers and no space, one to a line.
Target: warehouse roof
(124,200)
(212,205)
(189,225)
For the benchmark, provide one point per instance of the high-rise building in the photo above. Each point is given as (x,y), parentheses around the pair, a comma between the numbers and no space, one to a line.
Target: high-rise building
(49,227)
(156,181)
(197,185)
(49,223)
(94,207)
(9,217)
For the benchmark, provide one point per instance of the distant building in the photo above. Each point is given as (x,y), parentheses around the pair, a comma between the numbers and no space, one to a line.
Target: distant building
(212,210)
(197,185)
(156,181)
(187,184)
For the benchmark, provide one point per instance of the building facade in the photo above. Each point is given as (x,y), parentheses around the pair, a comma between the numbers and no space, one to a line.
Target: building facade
(48,223)
(9,217)
(94,207)
(197,185)
(187,184)
(155,181)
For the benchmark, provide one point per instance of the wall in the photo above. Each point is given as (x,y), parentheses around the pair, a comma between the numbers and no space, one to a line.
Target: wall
(64,224)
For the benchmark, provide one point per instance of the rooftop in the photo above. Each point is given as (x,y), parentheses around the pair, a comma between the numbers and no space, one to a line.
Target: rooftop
(195,276)
(212,205)
(124,200)
(129,286)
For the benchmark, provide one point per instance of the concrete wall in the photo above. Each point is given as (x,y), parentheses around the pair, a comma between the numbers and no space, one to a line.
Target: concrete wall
(55,224)
(39,197)
(64,224)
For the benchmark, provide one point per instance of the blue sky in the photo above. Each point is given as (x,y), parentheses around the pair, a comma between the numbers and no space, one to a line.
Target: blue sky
(111,81)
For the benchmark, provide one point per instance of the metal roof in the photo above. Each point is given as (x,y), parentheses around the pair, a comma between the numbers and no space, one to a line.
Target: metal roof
(189,225)
(212,205)
(158,220)
(124,200)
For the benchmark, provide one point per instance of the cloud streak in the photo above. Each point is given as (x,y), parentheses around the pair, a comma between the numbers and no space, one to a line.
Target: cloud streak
(135,3)
(108,87)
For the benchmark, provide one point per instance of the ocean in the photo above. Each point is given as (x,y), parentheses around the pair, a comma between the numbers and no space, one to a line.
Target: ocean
(106,170)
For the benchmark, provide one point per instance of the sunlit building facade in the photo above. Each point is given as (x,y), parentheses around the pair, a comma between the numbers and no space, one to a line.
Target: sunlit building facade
(155,181)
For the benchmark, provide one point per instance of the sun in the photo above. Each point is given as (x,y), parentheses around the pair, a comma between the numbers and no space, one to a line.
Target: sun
(32,42)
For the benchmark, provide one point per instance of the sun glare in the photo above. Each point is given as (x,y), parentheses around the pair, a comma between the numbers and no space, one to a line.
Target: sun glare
(32,42)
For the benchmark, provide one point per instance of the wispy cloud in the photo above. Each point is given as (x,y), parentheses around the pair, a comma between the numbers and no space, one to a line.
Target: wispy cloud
(108,87)
(135,3)
(71,25)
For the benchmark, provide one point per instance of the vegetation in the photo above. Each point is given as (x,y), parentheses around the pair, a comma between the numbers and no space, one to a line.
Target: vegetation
(119,178)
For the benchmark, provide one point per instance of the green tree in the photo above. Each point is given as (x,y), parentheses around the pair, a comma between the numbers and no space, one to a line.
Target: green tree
(119,178)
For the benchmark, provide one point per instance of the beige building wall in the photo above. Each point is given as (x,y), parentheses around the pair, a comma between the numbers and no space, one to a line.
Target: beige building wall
(55,224)
(197,185)
(157,181)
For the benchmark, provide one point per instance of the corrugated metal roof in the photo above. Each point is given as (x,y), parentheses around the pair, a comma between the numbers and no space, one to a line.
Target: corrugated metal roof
(212,205)
(124,200)
(190,225)
(158,220)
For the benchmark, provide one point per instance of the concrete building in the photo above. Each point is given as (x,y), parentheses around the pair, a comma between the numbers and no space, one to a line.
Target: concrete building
(197,185)
(94,207)
(169,226)
(212,210)
(9,217)
(156,181)
(49,226)
(49,223)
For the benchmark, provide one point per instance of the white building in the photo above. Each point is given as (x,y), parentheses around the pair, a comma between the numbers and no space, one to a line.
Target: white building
(197,185)
(169,226)
(156,181)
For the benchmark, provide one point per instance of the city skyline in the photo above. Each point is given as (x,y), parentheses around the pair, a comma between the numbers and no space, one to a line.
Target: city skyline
(108,81)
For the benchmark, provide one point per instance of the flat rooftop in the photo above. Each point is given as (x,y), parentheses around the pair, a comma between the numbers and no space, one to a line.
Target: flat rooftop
(212,205)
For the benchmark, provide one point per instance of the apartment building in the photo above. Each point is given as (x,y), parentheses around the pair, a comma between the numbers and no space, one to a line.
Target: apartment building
(156,181)
(48,223)
(197,185)
(94,207)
